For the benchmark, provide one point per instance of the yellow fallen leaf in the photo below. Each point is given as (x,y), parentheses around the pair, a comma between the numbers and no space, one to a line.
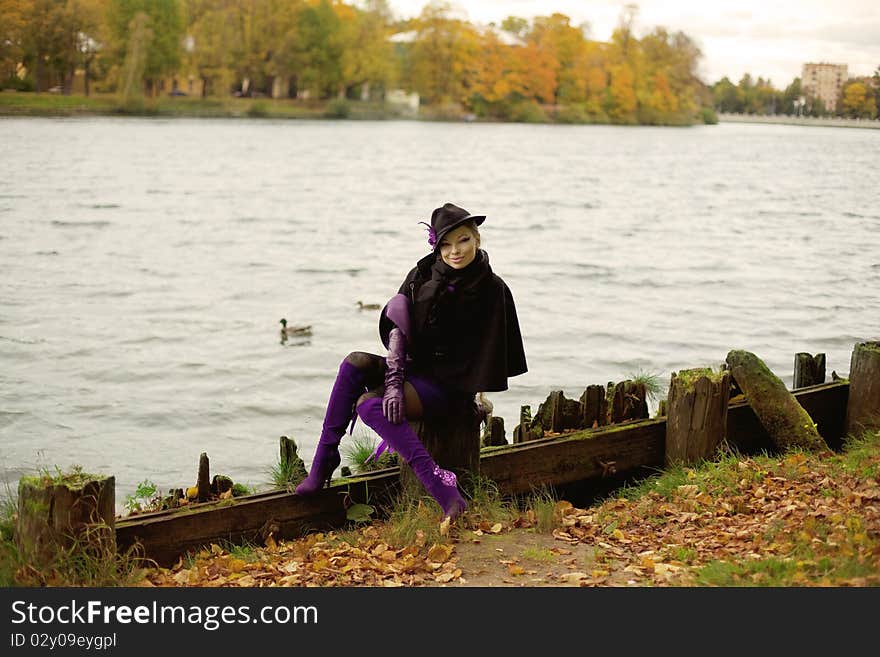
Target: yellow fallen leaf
(182,577)
(496,528)
(439,552)
(271,545)
(618,534)
(216,549)
(444,578)
(514,569)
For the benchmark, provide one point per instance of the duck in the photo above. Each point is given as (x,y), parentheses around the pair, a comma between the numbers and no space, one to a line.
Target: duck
(368,306)
(291,331)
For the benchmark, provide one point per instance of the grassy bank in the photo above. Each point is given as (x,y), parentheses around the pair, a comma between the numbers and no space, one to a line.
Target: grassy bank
(42,104)
(57,105)
(798,519)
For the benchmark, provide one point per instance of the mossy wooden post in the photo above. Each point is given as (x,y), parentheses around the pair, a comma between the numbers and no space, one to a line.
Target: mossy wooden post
(697,415)
(809,370)
(453,441)
(68,512)
(863,408)
(787,423)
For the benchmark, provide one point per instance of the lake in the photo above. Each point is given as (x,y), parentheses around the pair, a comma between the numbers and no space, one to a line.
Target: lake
(145,264)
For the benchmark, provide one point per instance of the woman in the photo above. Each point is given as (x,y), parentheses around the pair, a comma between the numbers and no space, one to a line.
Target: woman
(451,331)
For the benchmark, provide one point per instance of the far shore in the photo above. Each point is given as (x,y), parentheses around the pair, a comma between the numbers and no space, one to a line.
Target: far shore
(830,122)
(14,103)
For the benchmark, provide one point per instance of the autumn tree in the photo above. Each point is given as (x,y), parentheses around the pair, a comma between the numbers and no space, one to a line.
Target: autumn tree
(858,101)
(443,56)
(14,15)
(367,60)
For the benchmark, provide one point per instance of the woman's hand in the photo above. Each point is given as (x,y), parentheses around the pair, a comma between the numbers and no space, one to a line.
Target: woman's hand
(392,399)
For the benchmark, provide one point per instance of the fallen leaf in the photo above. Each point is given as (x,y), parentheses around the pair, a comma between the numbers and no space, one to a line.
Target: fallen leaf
(439,553)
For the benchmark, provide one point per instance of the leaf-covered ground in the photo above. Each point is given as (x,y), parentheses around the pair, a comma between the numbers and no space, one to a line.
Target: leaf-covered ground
(793,520)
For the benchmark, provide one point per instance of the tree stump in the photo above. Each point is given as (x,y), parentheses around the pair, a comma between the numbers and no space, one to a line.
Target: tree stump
(203,483)
(787,423)
(627,401)
(697,415)
(453,441)
(863,408)
(594,409)
(494,434)
(73,512)
(808,370)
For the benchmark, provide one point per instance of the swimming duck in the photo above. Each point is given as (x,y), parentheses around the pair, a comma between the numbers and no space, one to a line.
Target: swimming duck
(290,331)
(368,306)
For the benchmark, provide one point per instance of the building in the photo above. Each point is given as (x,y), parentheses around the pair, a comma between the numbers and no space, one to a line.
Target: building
(825,82)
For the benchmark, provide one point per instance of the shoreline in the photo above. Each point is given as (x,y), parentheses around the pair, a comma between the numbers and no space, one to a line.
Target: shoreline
(783,119)
(33,104)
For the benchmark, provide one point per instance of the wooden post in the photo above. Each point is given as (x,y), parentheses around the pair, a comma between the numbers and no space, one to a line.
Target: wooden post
(522,431)
(558,414)
(863,408)
(593,407)
(290,460)
(204,481)
(628,401)
(494,434)
(808,370)
(453,442)
(697,415)
(786,422)
(73,512)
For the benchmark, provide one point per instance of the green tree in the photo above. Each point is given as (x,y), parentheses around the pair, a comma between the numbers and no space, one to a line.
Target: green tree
(726,96)
(163,55)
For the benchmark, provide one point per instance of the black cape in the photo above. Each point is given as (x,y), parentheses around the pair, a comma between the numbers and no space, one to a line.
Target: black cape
(465,331)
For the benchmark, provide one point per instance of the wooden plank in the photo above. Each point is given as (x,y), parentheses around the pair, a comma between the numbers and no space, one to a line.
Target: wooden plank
(574,457)
(165,536)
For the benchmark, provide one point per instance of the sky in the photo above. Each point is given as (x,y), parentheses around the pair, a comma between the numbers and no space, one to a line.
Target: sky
(767,38)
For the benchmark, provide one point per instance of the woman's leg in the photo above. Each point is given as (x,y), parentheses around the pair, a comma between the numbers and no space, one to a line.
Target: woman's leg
(440,483)
(356,372)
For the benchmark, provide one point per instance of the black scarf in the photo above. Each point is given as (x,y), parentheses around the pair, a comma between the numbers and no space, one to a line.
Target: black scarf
(449,293)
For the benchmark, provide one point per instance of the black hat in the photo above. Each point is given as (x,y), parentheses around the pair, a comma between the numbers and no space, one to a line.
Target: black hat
(447,218)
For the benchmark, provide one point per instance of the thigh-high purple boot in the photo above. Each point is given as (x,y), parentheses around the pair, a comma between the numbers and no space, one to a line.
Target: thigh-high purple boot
(348,387)
(440,483)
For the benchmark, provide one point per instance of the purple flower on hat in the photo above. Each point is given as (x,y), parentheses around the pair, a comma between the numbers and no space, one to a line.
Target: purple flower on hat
(432,235)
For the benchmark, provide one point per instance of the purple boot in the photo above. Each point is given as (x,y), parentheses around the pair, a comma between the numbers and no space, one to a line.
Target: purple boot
(348,387)
(440,483)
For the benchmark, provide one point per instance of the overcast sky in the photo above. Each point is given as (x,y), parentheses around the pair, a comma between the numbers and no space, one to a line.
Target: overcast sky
(767,38)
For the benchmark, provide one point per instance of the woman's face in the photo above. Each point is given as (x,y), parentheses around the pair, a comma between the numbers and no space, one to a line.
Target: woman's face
(458,248)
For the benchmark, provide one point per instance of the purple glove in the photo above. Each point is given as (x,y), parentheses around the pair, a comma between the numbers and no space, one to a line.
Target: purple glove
(392,400)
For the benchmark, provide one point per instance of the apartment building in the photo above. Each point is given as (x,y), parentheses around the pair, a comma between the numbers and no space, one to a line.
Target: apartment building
(824,81)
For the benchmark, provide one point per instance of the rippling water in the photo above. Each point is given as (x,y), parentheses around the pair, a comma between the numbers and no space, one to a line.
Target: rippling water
(144,265)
